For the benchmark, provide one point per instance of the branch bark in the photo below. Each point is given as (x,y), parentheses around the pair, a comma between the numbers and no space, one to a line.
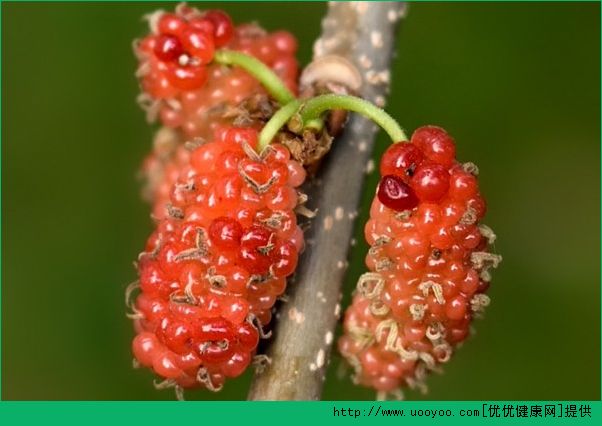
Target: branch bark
(363,33)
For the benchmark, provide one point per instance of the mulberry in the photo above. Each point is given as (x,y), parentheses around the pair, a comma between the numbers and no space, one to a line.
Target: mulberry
(428,261)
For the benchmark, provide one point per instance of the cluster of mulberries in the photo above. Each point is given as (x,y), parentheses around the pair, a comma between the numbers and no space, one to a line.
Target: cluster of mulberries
(226,235)
(428,264)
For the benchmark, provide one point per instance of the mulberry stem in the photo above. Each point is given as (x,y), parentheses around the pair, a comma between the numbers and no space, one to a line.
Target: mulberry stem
(308,114)
(315,107)
(300,349)
(278,120)
(272,83)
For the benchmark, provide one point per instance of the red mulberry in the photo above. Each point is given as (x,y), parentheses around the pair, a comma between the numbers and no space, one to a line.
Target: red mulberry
(195,111)
(181,83)
(428,261)
(214,266)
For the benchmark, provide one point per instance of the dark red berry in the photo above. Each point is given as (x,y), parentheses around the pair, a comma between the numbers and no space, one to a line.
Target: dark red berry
(401,159)
(256,252)
(430,182)
(213,329)
(168,48)
(225,232)
(256,259)
(436,144)
(223,28)
(394,193)
(198,44)
(286,255)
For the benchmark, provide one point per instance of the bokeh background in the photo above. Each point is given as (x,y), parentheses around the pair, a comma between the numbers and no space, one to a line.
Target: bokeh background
(518,85)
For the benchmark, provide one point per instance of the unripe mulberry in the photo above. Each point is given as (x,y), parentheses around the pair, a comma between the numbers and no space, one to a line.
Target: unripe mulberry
(428,261)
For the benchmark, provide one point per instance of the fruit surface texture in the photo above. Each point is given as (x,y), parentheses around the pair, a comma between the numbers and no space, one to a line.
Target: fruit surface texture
(225,96)
(429,265)
(216,263)
(226,235)
(181,84)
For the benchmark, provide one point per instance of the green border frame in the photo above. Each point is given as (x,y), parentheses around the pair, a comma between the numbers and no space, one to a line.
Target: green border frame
(165,413)
(198,412)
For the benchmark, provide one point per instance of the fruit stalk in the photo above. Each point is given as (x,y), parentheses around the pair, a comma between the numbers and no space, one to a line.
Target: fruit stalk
(270,81)
(315,107)
(305,330)
(278,121)
(308,114)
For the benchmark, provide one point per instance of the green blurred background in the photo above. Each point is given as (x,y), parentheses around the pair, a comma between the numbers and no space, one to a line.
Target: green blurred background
(518,85)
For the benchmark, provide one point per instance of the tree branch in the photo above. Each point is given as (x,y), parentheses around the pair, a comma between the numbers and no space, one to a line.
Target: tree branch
(363,33)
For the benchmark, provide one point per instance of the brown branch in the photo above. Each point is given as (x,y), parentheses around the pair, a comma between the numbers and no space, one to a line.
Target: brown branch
(363,33)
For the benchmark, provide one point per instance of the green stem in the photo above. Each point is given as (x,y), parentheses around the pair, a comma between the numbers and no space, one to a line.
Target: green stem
(278,120)
(310,111)
(272,83)
(314,108)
